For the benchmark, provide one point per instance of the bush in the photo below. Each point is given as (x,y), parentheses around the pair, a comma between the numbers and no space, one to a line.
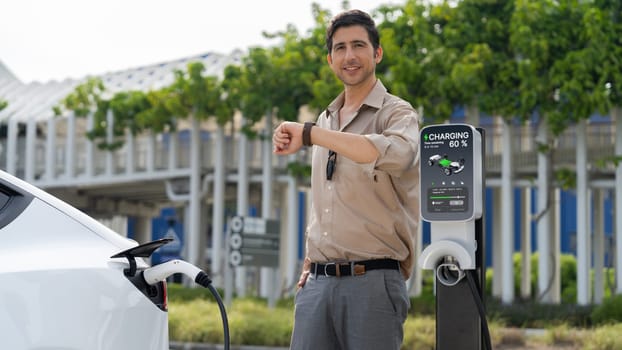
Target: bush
(604,338)
(568,278)
(195,321)
(534,315)
(609,311)
(251,322)
(419,333)
(564,335)
(177,292)
(424,304)
(194,317)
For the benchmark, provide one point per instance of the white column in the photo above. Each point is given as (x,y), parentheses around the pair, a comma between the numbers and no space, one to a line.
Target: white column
(556,245)
(194,249)
(218,210)
(544,214)
(616,114)
(472,114)
(50,150)
(172,149)
(90,148)
(130,146)
(291,261)
(109,139)
(151,146)
(142,229)
(415,282)
(31,143)
(242,200)
(497,260)
(11,147)
(525,287)
(599,244)
(269,282)
(583,242)
(70,147)
(507,216)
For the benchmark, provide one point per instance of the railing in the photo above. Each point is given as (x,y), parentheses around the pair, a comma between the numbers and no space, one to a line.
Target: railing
(169,155)
(600,144)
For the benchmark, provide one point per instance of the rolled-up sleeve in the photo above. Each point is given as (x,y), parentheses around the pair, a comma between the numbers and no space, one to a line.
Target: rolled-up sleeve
(398,144)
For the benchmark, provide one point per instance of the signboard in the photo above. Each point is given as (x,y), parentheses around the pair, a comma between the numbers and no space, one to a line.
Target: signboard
(451,173)
(254,241)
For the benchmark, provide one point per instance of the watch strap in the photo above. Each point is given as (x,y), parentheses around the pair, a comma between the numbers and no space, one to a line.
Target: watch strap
(306,133)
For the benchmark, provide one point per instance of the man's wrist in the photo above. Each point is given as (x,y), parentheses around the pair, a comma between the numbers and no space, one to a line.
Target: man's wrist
(306,133)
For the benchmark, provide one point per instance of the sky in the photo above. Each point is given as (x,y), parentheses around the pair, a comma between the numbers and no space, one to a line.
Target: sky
(43,40)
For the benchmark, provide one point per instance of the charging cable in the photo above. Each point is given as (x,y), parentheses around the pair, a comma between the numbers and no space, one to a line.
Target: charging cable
(480,307)
(162,271)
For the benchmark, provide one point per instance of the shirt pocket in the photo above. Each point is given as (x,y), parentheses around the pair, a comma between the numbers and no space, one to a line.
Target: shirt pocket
(383,187)
(372,191)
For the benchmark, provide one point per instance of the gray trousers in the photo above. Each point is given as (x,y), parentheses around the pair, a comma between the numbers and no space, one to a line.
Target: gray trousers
(364,312)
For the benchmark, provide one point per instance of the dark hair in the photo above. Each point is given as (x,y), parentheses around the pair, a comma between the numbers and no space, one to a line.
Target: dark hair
(352,18)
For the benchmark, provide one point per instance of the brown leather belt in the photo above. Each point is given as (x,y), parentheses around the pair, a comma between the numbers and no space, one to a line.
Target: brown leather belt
(353,268)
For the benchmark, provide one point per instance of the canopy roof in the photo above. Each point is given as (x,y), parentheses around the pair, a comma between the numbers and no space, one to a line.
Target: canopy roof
(36,100)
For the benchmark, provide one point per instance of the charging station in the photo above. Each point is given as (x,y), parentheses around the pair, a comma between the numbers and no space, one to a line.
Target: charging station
(452,196)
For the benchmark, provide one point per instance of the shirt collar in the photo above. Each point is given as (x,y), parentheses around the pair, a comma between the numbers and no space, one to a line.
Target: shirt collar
(374,99)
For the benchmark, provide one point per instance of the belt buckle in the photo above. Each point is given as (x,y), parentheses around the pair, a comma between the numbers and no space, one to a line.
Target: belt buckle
(326,269)
(355,269)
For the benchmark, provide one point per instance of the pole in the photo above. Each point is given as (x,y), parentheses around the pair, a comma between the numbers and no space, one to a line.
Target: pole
(458,323)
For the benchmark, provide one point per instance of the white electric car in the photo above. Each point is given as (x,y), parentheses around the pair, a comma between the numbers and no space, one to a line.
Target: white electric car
(68,282)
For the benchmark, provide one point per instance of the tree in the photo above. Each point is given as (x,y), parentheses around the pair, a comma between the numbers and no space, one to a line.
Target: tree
(555,59)
(416,64)
(544,35)
(190,95)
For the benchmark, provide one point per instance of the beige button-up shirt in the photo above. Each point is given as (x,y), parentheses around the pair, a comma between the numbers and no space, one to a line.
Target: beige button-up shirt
(368,211)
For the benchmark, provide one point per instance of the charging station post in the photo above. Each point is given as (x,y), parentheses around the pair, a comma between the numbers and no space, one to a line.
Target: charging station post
(452,195)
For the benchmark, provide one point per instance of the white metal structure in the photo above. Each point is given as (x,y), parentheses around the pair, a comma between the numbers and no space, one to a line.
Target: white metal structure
(54,154)
(185,168)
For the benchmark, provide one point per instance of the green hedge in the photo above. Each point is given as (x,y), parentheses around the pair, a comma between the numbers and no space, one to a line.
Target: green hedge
(609,311)
(194,317)
(251,322)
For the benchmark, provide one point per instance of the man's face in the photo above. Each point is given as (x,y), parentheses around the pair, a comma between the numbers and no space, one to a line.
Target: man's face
(353,58)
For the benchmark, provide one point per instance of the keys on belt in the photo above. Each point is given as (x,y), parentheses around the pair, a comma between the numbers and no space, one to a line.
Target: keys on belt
(353,268)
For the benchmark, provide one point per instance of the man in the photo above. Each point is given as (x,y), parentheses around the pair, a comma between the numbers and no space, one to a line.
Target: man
(365,212)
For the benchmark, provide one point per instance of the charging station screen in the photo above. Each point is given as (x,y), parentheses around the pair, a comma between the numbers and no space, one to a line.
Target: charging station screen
(447,199)
(447,172)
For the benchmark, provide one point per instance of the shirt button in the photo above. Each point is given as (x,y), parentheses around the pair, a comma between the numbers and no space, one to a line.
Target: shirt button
(330,187)
(326,210)
(325,234)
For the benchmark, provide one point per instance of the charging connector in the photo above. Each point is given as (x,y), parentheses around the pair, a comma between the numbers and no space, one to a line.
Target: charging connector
(449,272)
(159,273)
